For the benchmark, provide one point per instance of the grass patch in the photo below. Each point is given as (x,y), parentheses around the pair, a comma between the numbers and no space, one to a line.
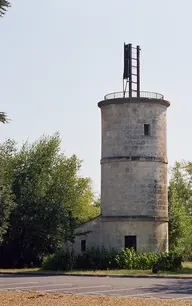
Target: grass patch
(25,270)
(186,270)
(111,272)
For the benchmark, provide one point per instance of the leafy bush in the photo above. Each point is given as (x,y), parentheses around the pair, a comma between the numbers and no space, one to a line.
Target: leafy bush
(171,261)
(103,259)
(146,260)
(59,261)
(128,259)
(96,258)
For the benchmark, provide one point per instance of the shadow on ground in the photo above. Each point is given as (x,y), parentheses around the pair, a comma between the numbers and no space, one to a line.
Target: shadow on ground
(172,287)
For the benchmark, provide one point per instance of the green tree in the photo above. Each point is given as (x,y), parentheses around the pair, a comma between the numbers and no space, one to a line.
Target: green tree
(46,186)
(88,206)
(3,117)
(6,196)
(180,222)
(187,173)
(4,5)
(97,202)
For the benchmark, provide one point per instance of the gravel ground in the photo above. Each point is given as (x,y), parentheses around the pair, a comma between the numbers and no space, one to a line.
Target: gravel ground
(38,299)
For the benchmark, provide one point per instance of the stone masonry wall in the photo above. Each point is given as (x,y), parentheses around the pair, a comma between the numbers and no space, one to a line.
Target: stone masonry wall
(151,236)
(133,165)
(134,173)
(134,188)
(123,130)
(93,238)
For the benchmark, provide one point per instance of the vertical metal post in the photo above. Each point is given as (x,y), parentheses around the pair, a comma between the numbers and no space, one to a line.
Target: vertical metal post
(138,71)
(130,70)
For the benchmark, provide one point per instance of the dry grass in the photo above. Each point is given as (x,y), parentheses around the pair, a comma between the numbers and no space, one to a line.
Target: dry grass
(37,299)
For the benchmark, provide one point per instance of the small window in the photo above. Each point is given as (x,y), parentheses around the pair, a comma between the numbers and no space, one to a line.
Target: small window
(147,130)
(83,245)
(131,242)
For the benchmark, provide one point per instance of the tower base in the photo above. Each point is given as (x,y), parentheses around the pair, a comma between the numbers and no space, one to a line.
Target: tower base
(145,235)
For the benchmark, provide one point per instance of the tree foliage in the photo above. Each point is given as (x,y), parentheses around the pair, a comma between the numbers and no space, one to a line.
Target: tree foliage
(3,117)
(49,196)
(180,207)
(4,5)
(6,196)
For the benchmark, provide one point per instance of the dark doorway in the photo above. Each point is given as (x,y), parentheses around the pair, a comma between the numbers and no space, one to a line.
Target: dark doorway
(131,242)
(83,245)
(147,130)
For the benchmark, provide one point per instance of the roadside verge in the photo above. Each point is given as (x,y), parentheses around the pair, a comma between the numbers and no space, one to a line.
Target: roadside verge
(55,273)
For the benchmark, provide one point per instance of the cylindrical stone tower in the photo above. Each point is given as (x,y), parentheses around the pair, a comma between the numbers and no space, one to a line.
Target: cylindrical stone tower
(134,201)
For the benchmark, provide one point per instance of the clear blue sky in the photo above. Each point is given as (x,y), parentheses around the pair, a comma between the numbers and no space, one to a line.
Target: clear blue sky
(59,58)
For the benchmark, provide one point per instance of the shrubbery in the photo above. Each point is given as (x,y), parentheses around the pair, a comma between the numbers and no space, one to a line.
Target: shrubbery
(128,259)
(98,259)
(59,261)
(171,261)
(102,259)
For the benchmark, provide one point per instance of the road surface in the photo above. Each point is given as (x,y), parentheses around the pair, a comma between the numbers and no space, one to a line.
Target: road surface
(101,286)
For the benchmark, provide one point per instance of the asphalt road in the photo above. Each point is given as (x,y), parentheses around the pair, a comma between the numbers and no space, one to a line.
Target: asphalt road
(178,289)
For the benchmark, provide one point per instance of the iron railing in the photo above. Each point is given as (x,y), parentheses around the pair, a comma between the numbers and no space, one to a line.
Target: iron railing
(143,94)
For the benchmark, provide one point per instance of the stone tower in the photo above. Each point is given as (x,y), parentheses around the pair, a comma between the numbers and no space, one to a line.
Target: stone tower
(134,200)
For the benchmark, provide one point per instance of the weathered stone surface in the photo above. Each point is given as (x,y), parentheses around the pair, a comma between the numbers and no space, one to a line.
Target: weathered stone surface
(123,130)
(134,188)
(133,176)
(151,236)
(93,227)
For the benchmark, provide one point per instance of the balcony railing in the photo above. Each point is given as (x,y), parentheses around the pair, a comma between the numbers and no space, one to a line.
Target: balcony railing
(143,94)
